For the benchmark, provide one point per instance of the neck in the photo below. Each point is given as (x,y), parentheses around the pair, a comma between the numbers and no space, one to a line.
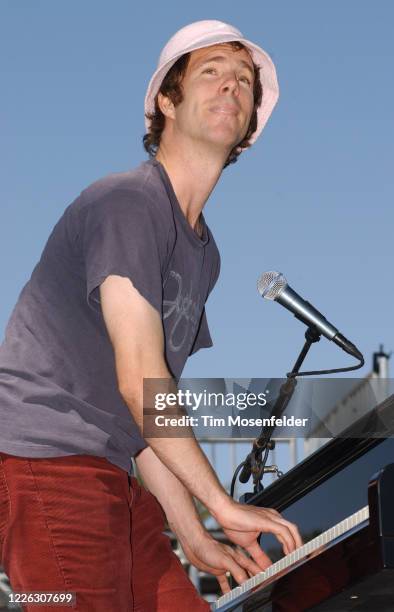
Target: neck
(193,174)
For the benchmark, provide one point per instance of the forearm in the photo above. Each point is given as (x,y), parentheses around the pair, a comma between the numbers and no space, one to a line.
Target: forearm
(172,495)
(183,457)
(202,551)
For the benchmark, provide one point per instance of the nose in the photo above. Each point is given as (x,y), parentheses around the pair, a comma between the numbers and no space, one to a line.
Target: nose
(230,84)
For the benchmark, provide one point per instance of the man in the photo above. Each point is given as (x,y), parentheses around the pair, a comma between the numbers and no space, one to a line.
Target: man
(118,297)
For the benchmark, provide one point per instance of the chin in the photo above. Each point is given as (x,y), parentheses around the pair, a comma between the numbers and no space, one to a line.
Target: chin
(224,137)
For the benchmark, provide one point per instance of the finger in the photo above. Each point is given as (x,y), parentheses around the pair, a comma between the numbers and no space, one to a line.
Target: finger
(272,511)
(284,544)
(248,564)
(223,583)
(280,531)
(293,531)
(296,534)
(260,557)
(280,528)
(235,569)
(277,533)
(292,527)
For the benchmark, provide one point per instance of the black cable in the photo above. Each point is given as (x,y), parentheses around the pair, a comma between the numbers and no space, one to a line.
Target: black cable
(311,336)
(235,477)
(335,371)
(241,465)
(264,461)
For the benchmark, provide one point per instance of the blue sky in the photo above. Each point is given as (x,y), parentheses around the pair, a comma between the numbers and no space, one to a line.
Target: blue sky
(312,198)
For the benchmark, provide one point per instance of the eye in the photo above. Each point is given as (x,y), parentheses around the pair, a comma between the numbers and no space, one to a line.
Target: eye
(245,79)
(210,70)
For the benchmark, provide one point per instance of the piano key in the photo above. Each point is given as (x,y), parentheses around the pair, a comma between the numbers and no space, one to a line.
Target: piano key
(301,553)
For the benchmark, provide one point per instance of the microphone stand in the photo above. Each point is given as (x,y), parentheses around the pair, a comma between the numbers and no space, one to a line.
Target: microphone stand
(254,463)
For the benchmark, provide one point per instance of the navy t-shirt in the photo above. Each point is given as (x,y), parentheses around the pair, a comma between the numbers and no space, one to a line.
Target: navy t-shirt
(58,386)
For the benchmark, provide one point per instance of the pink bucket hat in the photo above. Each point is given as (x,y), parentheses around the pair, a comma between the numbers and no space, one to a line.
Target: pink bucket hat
(204,34)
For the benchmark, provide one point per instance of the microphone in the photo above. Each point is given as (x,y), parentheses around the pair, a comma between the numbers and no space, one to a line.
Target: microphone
(273,286)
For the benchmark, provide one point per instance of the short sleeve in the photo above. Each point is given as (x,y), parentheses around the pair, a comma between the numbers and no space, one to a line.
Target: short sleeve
(122,237)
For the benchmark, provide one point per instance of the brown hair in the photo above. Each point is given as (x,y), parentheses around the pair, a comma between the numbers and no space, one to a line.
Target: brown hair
(171,87)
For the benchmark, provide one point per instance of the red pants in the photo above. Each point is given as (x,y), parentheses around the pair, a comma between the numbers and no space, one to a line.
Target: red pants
(79,524)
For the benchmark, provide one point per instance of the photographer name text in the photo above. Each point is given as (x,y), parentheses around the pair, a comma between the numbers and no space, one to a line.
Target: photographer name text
(206,420)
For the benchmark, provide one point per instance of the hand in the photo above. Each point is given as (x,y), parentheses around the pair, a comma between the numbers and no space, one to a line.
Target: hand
(218,559)
(248,541)
(243,524)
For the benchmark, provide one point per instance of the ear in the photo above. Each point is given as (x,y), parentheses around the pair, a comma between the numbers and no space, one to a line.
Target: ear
(166,106)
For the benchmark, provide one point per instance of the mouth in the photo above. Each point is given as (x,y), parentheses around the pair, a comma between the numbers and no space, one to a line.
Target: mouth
(225,109)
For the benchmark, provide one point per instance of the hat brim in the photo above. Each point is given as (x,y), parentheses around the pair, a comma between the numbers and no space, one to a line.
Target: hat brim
(268,78)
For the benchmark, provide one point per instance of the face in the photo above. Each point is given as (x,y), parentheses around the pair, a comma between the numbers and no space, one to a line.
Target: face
(217,96)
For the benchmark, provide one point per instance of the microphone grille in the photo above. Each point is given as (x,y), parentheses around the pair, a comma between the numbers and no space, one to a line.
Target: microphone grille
(270,284)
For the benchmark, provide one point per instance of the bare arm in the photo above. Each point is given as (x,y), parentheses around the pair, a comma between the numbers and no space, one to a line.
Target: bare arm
(136,333)
(200,548)
(174,498)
